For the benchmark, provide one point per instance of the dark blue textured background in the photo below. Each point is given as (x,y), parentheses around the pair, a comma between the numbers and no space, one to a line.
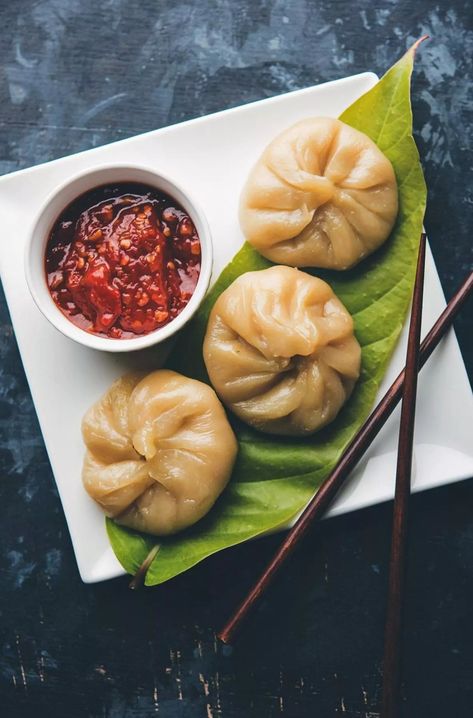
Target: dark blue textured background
(76,74)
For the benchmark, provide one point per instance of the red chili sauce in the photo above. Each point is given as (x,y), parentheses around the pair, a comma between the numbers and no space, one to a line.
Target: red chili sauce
(122,260)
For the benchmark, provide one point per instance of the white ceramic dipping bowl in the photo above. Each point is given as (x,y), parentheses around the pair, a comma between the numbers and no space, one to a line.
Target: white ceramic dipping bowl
(49,213)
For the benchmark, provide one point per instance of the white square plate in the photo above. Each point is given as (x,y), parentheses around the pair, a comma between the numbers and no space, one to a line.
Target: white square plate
(211,156)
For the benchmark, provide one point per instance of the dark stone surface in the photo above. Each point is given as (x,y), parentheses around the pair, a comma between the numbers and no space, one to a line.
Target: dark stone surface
(76,74)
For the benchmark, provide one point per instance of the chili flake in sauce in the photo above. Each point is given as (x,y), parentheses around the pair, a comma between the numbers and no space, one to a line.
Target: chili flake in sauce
(122,260)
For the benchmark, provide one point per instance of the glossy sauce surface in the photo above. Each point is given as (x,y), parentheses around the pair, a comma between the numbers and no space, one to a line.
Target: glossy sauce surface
(122,260)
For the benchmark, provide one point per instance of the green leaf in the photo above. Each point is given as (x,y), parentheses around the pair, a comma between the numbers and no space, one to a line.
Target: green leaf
(130,546)
(275,477)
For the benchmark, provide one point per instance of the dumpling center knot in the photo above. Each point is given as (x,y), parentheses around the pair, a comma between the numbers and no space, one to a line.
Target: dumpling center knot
(321,188)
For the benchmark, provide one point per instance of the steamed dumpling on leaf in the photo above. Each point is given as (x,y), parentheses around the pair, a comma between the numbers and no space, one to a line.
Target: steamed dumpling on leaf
(160,451)
(280,351)
(321,195)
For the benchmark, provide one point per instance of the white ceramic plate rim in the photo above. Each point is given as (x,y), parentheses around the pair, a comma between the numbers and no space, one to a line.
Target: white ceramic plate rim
(443,451)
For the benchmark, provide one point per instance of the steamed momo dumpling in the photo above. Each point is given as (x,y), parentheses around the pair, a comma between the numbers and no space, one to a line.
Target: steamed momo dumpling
(280,351)
(160,451)
(321,195)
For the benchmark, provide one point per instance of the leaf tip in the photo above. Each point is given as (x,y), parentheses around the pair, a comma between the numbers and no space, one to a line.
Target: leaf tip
(417,43)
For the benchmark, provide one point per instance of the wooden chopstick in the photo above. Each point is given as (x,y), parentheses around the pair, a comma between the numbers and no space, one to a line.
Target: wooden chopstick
(392,641)
(352,454)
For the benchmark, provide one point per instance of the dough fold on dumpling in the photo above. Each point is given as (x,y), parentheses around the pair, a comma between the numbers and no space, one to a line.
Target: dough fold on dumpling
(321,195)
(160,451)
(280,351)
